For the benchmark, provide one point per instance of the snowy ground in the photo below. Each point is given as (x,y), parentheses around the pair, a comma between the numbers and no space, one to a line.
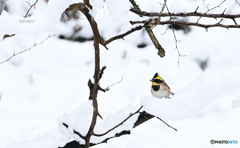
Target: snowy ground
(42,87)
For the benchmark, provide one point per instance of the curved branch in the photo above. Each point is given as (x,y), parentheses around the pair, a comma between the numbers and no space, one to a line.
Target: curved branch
(142,118)
(99,135)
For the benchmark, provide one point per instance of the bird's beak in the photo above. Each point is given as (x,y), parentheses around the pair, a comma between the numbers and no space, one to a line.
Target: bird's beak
(151,80)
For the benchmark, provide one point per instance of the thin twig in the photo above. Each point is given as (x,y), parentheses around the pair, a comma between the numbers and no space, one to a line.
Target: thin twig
(164,4)
(113,84)
(196,9)
(212,9)
(167,124)
(168,12)
(30,7)
(99,135)
(204,5)
(121,36)
(164,31)
(179,55)
(15,54)
(4,3)
(163,7)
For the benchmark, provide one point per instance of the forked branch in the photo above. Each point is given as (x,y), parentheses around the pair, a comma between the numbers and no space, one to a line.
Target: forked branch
(33,5)
(132,114)
(142,118)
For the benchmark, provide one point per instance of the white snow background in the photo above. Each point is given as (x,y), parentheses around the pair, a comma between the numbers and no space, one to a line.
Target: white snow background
(47,85)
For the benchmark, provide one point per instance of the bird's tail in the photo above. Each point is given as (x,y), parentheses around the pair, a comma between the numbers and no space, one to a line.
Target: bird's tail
(172,93)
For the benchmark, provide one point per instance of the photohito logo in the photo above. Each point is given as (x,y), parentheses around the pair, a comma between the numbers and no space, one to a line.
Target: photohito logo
(223,141)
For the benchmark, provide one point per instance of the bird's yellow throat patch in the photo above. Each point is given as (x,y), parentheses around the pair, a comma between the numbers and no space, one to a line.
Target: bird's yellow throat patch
(154,83)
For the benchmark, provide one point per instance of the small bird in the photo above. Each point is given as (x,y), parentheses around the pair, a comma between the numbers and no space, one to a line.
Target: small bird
(160,88)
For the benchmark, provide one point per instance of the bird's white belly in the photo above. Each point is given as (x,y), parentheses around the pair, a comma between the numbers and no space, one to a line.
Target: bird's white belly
(160,94)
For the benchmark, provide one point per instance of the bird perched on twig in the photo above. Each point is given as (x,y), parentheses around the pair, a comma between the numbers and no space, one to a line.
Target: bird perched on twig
(160,88)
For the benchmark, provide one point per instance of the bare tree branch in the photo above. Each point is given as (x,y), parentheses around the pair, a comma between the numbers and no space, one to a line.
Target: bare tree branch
(135,5)
(94,93)
(148,25)
(81,7)
(187,14)
(15,54)
(142,118)
(167,124)
(106,89)
(86,2)
(189,24)
(176,47)
(33,5)
(161,51)
(176,41)
(121,36)
(8,36)
(164,5)
(132,114)
(211,9)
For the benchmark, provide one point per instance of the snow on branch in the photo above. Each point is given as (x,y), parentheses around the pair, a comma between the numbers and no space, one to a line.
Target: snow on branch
(132,114)
(136,118)
(113,125)
(85,131)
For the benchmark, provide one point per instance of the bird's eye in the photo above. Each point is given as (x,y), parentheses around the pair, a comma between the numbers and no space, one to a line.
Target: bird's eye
(158,81)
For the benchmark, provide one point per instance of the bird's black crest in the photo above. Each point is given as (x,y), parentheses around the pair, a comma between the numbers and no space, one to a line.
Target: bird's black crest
(155,75)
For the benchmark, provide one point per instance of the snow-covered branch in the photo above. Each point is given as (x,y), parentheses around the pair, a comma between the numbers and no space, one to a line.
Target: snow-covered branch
(132,114)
